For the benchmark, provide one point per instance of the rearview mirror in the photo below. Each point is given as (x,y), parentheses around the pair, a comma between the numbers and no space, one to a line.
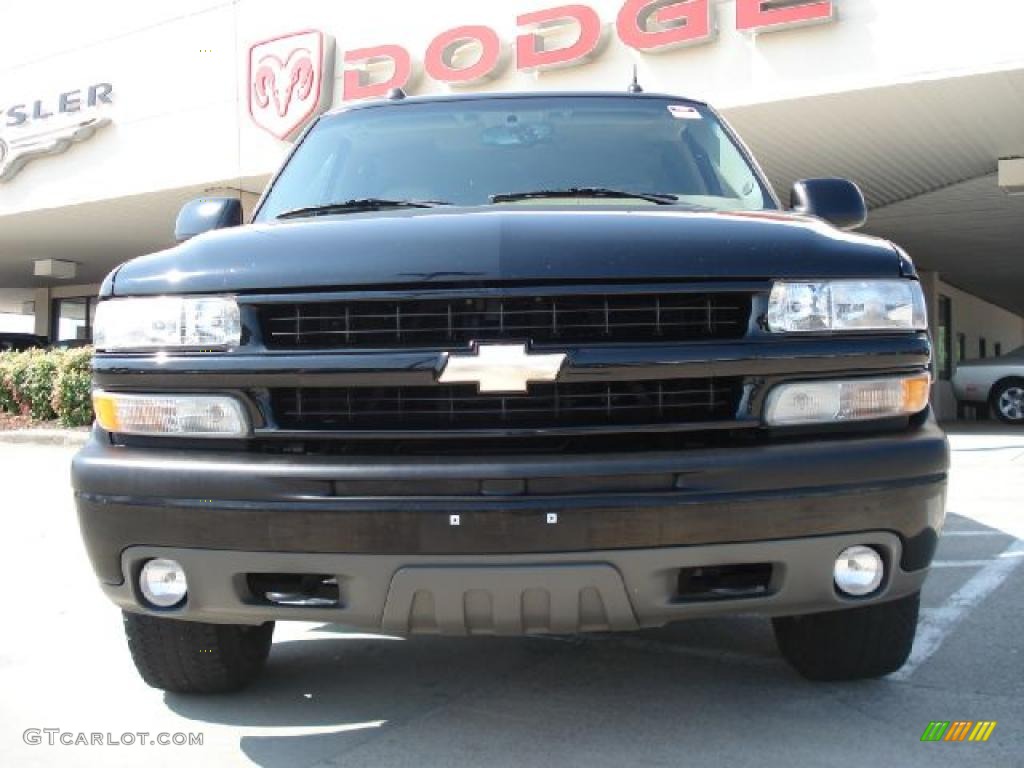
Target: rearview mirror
(207,213)
(837,201)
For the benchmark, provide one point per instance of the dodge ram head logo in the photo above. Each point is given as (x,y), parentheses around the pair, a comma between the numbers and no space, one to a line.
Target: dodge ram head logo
(290,81)
(500,367)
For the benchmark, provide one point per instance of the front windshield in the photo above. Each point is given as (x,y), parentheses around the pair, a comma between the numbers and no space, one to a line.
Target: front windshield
(465,152)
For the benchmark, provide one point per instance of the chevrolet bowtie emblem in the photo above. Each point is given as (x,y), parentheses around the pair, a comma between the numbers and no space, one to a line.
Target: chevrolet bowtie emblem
(500,367)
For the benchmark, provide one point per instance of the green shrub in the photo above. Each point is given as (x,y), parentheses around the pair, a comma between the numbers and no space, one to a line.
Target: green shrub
(48,384)
(36,386)
(72,399)
(16,374)
(8,403)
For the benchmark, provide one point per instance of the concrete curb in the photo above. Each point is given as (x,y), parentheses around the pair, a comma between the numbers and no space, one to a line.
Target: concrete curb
(72,437)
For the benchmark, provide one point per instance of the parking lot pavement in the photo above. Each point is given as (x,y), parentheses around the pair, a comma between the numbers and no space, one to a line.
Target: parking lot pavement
(701,693)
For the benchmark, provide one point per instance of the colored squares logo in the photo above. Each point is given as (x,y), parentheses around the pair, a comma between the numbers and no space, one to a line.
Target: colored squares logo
(958,730)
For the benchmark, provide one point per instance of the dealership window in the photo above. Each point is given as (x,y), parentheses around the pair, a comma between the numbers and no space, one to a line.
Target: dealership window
(944,339)
(998,350)
(961,343)
(73,319)
(982,347)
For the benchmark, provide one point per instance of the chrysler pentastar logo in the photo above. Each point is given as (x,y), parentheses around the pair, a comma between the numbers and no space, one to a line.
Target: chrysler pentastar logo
(16,151)
(501,367)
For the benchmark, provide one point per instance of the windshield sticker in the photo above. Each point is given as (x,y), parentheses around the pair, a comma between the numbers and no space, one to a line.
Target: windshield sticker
(680,112)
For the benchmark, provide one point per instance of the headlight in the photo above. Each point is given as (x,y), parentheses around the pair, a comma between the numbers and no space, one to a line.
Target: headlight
(847,305)
(175,322)
(181,415)
(823,402)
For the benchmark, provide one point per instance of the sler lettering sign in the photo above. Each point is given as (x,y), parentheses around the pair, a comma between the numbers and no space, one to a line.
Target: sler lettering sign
(50,126)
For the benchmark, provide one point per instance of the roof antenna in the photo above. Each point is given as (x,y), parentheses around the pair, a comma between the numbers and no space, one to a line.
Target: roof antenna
(635,86)
(396,94)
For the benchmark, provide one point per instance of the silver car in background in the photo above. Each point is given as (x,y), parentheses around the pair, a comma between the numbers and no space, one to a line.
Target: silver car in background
(997,381)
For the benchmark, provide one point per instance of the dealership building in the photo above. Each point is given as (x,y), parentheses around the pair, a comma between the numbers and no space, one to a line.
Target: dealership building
(114,118)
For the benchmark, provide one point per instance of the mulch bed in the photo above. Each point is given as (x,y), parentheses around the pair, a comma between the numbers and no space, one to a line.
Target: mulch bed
(10,421)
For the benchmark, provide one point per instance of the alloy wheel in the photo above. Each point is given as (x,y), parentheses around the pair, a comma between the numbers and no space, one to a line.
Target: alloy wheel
(1011,403)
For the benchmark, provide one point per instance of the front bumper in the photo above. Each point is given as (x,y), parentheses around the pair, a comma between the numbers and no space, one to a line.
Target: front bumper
(563,593)
(795,505)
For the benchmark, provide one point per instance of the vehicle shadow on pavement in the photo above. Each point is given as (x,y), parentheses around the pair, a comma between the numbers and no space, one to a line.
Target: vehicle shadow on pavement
(332,692)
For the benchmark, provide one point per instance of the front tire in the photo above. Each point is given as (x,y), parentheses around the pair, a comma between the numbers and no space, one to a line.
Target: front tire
(192,657)
(1008,401)
(853,644)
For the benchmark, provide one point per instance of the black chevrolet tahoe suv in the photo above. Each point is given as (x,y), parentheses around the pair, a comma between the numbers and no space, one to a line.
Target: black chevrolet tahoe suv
(514,364)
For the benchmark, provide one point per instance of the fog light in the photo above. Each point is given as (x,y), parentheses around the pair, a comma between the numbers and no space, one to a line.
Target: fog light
(858,571)
(163,583)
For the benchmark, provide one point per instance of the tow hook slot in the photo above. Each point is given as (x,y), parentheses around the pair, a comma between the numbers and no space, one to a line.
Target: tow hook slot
(724,582)
(297,590)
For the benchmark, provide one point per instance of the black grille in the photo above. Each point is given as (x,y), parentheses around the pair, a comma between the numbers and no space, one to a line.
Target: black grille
(461,407)
(542,319)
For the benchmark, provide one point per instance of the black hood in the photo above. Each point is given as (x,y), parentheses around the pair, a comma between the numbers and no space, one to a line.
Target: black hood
(488,246)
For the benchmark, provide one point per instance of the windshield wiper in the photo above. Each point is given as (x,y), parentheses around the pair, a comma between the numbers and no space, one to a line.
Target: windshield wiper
(595,192)
(358,205)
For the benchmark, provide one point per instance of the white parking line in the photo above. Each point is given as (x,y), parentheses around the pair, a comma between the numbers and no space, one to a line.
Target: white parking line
(937,623)
(1008,554)
(961,563)
(973,533)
